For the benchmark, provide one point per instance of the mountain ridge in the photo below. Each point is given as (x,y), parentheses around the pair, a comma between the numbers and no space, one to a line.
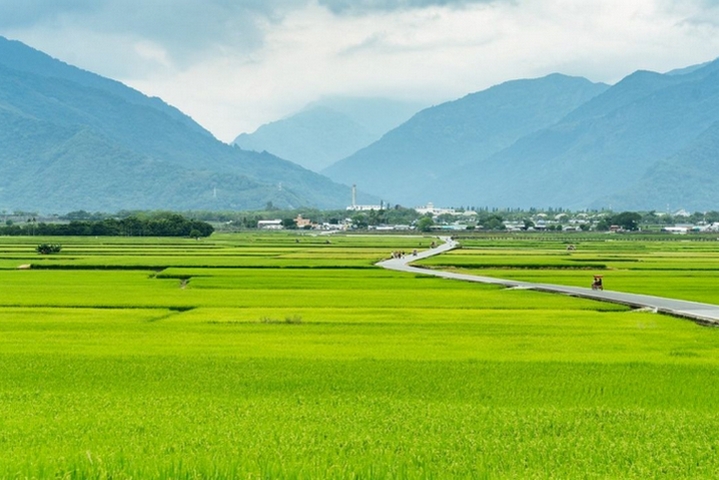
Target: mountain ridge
(72,131)
(593,152)
(74,140)
(313,138)
(21,57)
(445,137)
(328,129)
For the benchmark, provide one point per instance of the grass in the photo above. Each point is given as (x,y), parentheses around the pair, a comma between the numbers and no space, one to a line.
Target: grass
(345,418)
(280,370)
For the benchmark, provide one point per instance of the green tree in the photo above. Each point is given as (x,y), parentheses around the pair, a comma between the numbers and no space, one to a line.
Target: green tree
(289,223)
(627,220)
(604,224)
(493,222)
(360,220)
(425,224)
(712,216)
(47,248)
(446,218)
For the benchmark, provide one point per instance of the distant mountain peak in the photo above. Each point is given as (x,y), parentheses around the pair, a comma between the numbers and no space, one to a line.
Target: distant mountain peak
(327,130)
(405,164)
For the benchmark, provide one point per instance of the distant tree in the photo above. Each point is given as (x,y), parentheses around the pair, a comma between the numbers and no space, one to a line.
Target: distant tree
(425,224)
(445,218)
(493,222)
(650,217)
(604,224)
(697,217)
(712,216)
(376,217)
(360,220)
(165,225)
(289,223)
(627,220)
(250,221)
(401,216)
(47,248)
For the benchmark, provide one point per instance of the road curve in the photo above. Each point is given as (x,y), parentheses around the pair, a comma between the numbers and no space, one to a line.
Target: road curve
(702,313)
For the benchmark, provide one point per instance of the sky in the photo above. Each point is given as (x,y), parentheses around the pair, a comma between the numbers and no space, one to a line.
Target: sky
(233,65)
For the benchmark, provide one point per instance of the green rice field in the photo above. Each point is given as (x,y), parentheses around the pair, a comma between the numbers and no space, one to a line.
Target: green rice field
(264,356)
(668,266)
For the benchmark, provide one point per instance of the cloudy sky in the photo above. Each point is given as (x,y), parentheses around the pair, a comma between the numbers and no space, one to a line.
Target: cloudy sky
(235,64)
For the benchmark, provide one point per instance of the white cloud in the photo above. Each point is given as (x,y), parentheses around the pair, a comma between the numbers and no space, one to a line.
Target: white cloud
(233,65)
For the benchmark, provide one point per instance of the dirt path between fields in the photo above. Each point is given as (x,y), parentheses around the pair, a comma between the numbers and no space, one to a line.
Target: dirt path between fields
(702,313)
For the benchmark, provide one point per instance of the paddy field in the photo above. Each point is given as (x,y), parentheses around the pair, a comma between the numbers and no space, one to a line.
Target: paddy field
(292,356)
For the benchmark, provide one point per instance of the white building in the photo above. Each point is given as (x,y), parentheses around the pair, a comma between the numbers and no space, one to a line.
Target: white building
(432,210)
(365,208)
(679,230)
(270,225)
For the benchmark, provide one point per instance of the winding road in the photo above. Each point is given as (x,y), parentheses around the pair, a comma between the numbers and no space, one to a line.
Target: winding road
(702,313)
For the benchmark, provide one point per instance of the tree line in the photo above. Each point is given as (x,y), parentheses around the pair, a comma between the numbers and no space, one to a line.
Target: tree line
(169,225)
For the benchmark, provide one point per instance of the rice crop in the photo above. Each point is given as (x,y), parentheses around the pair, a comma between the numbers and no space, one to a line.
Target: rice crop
(282,370)
(661,266)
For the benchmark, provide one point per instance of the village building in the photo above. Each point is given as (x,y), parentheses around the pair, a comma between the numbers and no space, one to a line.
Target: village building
(302,222)
(434,211)
(270,225)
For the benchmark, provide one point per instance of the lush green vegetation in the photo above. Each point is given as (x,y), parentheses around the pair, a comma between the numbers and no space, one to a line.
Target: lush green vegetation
(161,225)
(87,140)
(669,266)
(281,356)
(48,249)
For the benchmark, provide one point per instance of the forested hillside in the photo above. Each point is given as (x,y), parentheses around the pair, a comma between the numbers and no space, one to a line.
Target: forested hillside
(647,142)
(604,148)
(410,159)
(74,140)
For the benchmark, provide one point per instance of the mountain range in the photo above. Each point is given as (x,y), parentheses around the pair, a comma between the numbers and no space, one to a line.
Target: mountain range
(75,140)
(647,142)
(328,130)
(409,160)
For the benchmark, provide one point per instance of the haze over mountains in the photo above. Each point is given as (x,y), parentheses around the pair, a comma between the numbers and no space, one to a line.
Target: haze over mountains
(328,130)
(597,155)
(648,142)
(410,160)
(74,140)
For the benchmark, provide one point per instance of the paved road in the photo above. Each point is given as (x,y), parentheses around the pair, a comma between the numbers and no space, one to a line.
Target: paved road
(703,313)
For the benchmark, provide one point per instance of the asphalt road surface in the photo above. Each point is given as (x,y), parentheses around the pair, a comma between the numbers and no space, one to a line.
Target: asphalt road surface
(703,313)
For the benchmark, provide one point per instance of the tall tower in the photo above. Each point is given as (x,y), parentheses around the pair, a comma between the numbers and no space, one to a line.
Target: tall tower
(354,195)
